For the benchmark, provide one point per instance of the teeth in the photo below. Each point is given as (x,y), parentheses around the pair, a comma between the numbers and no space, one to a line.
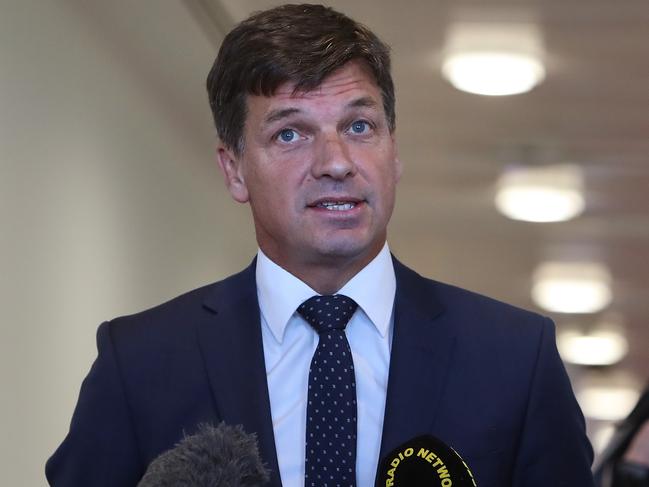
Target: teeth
(337,205)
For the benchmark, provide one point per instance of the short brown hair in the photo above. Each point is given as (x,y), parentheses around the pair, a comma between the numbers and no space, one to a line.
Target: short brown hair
(301,44)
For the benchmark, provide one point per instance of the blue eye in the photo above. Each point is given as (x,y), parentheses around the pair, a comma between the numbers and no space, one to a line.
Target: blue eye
(288,135)
(360,127)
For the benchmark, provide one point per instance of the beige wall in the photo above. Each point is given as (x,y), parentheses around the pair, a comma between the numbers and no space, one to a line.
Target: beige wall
(109,199)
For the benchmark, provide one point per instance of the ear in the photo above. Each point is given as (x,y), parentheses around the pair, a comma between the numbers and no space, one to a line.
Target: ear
(231,168)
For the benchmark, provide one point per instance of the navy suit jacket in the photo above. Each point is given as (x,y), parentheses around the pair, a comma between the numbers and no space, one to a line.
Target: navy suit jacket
(481,375)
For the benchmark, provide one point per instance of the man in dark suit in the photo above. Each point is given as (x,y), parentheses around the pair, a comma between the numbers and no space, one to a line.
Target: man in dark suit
(304,106)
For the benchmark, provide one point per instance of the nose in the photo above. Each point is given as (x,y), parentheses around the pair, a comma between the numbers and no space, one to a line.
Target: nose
(333,158)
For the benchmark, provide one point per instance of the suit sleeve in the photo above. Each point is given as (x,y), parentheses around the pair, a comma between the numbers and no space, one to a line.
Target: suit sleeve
(100,448)
(554,449)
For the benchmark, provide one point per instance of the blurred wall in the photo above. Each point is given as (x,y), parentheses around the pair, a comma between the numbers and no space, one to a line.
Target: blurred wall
(110,199)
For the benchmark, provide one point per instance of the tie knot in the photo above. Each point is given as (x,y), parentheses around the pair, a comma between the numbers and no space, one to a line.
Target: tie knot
(328,312)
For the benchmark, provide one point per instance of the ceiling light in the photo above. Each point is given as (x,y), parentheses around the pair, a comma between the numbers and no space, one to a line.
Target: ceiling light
(598,347)
(493,59)
(572,287)
(496,73)
(607,403)
(541,194)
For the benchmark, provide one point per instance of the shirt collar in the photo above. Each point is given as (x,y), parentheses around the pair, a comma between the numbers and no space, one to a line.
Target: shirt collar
(280,293)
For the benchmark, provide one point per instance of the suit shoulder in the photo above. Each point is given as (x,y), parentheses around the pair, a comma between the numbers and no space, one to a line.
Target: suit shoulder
(489,332)
(186,309)
(494,324)
(481,303)
(470,310)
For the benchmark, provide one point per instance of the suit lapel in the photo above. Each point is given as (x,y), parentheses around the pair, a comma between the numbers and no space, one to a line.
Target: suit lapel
(421,353)
(232,349)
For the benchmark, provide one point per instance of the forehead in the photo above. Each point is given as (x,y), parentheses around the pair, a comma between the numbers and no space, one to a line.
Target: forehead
(350,76)
(354,80)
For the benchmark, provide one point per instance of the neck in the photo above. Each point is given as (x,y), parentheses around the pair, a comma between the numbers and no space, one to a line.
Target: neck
(325,276)
(326,280)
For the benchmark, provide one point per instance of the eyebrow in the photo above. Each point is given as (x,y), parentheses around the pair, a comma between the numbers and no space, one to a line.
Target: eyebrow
(281,113)
(364,102)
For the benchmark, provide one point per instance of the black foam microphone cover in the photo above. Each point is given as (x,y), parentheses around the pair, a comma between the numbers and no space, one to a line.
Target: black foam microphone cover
(213,457)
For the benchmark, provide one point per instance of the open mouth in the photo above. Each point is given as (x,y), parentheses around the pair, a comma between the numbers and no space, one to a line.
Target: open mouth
(336,205)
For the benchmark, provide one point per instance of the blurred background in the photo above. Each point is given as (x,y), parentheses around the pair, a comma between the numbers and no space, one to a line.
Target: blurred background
(526,179)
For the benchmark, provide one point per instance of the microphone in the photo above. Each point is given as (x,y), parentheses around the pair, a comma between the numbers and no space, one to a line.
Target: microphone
(424,461)
(213,457)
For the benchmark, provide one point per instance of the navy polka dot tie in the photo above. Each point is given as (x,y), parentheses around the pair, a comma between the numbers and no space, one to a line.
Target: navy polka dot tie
(331,409)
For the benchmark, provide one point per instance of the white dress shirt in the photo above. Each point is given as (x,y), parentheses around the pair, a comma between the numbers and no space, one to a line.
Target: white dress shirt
(289,343)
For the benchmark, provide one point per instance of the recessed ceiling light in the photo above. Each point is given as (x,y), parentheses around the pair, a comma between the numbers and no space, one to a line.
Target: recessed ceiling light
(496,73)
(572,287)
(611,403)
(598,347)
(493,59)
(541,194)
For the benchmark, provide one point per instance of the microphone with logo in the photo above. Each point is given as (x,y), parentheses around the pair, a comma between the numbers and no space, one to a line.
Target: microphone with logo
(424,461)
(213,457)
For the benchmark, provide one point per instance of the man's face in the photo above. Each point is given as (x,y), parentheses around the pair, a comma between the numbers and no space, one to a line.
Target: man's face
(319,170)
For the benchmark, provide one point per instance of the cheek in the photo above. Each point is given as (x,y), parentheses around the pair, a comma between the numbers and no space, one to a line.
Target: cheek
(387,180)
(276,198)
(383,174)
